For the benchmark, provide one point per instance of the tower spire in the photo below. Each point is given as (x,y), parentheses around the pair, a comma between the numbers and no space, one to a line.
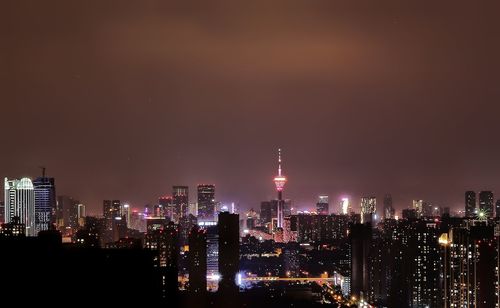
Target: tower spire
(279,162)
(280,179)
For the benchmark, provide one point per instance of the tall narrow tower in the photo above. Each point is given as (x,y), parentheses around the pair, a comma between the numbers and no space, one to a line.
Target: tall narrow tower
(280,181)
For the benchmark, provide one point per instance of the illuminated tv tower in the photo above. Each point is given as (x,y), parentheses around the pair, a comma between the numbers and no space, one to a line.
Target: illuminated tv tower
(280,181)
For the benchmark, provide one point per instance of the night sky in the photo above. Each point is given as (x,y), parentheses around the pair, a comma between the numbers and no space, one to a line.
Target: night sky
(122,100)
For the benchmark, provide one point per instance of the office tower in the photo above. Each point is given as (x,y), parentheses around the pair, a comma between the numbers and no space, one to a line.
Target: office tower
(165,207)
(345,206)
(111,213)
(180,201)
(360,239)
(322,205)
(166,202)
(186,224)
(418,206)
(251,219)
(228,227)
(268,211)
(497,209)
(470,204)
(81,215)
(206,202)
(486,204)
(197,260)
(69,208)
(213,258)
(162,238)
(110,209)
(388,208)
(279,182)
(125,214)
(20,201)
(368,208)
(45,203)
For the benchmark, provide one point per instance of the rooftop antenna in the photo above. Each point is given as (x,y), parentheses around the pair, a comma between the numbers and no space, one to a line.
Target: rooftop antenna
(279,162)
(43,171)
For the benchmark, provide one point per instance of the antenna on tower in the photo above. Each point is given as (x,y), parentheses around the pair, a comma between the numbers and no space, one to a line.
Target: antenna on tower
(43,171)
(279,162)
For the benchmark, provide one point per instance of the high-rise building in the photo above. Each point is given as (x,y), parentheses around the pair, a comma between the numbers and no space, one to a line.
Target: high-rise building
(388,208)
(112,216)
(497,209)
(472,257)
(167,205)
(45,203)
(68,207)
(322,205)
(345,206)
(125,213)
(206,202)
(180,201)
(418,206)
(229,247)
(360,238)
(81,214)
(470,204)
(111,209)
(213,275)
(161,237)
(368,208)
(425,253)
(251,219)
(197,260)
(186,224)
(267,211)
(279,182)
(486,203)
(20,201)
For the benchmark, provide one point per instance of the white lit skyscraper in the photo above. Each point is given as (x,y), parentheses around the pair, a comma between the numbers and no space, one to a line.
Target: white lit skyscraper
(20,201)
(345,206)
(368,208)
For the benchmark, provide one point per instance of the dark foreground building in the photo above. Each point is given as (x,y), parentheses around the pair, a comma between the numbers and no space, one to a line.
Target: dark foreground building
(44,271)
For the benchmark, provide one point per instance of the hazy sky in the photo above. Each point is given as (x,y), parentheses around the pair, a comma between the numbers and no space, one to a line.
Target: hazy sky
(123,99)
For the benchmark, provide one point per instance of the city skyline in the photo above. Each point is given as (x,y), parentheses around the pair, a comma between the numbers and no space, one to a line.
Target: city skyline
(276,153)
(309,205)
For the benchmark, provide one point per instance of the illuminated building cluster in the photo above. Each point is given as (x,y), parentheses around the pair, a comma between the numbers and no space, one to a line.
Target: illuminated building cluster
(333,253)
